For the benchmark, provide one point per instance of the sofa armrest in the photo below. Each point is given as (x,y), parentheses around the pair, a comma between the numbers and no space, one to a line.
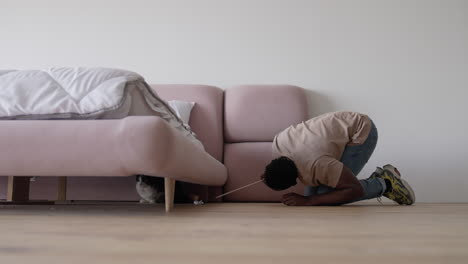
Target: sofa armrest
(122,147)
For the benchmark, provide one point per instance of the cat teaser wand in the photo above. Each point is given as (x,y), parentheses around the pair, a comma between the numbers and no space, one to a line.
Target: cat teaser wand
(240,188)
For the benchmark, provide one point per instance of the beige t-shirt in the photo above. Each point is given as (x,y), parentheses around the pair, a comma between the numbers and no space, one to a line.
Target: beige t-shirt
(316,145)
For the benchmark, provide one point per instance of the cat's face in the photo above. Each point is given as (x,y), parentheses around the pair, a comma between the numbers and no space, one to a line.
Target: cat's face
(143,186)
(147,191)
(154,182)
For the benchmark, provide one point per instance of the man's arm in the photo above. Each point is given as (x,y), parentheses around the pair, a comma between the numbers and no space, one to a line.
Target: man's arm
(347,189)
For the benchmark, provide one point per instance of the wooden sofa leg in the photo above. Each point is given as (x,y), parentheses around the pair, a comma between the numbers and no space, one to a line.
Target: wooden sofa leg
(18,189)
(169,189)
(62,189)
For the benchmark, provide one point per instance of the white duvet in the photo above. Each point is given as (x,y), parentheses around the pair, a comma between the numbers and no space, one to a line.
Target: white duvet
(78,93)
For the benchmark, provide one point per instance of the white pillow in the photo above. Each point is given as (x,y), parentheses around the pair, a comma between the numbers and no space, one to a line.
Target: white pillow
(182,109)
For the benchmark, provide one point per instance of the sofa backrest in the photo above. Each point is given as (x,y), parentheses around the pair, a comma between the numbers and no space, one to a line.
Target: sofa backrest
(256,113)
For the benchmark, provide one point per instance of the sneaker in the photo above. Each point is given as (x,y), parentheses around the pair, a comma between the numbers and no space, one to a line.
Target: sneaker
(400,191)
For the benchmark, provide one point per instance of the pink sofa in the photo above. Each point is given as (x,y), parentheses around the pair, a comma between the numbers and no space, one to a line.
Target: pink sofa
(236,127)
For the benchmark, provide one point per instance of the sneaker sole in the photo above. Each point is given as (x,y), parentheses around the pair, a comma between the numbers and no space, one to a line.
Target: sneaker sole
(412,196)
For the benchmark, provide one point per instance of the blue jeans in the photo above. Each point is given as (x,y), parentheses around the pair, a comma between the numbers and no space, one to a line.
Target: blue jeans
(355,157)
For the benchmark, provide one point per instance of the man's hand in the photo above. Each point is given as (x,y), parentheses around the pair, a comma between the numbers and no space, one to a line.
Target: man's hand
(348,189)
(294,199)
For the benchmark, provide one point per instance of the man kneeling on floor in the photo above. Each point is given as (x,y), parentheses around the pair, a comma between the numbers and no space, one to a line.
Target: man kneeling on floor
(326,153)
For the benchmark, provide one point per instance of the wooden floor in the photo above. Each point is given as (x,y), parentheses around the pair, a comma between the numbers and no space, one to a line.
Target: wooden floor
(234,233)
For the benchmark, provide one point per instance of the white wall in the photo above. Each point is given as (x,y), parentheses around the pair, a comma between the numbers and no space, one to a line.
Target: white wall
(405,63)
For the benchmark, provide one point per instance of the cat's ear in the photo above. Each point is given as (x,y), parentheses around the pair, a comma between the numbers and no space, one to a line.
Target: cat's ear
(138,178)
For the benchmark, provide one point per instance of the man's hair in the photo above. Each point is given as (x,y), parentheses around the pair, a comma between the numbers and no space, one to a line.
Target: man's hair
(280,174)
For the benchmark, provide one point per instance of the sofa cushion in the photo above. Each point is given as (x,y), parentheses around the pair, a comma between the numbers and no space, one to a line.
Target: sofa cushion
(256,113)
(245,163)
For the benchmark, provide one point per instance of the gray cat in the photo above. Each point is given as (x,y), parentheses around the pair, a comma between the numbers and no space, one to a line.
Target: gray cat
(151,190)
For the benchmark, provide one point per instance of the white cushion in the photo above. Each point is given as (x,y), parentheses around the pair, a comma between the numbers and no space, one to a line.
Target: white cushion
(182,109)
